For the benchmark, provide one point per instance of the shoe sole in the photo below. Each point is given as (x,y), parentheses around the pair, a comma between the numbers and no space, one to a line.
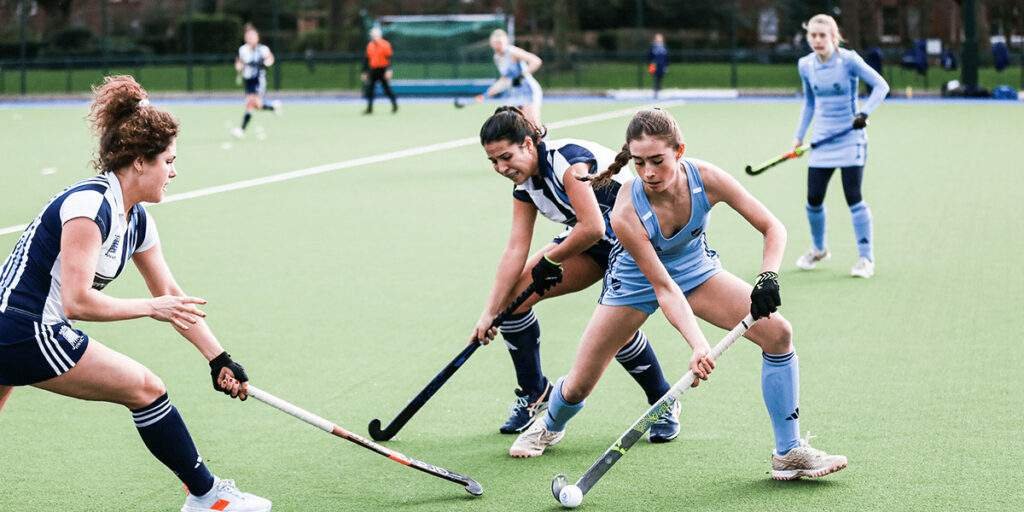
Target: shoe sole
(793,474)
(661,440)
(529,454)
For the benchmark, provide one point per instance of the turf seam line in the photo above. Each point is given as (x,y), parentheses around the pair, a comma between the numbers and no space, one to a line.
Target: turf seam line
(373,159)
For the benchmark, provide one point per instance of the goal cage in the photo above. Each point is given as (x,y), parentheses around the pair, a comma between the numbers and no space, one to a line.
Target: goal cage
(447,55)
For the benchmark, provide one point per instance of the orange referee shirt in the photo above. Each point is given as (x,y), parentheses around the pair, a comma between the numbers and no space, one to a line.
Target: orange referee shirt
(379,53)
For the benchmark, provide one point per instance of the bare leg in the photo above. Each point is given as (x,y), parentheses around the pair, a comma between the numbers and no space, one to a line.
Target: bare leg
(107,376)
(608,330)
(5,393)
(578,273)
(724,300)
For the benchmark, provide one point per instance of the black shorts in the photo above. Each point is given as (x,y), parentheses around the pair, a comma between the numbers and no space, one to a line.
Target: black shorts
(598,252)
(255,85)
(32,352)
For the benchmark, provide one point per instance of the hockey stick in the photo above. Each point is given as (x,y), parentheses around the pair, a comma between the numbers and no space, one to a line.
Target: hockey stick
(419,400)
(640,426)
(471,485)
(796,153)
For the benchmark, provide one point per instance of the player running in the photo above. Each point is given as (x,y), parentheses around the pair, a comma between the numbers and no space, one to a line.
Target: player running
(251,64)
(830,76)
(80,243)
(660,219)
(577,258)
(516,67)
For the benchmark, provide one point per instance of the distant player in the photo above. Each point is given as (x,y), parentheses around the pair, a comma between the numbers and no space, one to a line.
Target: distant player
(251,64)
(830,76)
(377,68)
(82,241)
(542,171)
(516,67)
(665,261)
(657,61)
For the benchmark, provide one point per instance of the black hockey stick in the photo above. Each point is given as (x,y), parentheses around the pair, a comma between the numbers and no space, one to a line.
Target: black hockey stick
(419,400)
(470,485)
(642,425)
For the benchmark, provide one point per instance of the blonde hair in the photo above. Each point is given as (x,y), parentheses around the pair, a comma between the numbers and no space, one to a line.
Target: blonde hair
(655,123)
(830,24)
(499,34)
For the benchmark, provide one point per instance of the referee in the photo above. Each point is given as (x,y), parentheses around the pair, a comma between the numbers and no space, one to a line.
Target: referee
(377,68)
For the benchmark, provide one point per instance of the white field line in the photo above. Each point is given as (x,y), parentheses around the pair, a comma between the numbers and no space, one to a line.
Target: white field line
(367,160)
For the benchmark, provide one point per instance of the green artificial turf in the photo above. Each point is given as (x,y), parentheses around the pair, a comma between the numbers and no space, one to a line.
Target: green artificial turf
(346,292)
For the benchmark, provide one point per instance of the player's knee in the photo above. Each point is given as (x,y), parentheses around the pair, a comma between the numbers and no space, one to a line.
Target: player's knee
(575,392)
(147,387)
(853,198)
(780,337)
(815,200)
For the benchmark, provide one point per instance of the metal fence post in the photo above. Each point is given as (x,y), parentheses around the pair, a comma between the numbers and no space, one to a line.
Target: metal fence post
(188,46)
(277,40)
(23,50)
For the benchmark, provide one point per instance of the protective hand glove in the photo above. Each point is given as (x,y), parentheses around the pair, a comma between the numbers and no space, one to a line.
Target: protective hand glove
(860,121)
(764,300)
(546,274)
(517,81)
(224,361)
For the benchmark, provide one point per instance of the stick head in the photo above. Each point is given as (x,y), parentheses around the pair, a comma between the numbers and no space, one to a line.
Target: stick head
(376,433)
(474,488)
(557,484)
(749,170)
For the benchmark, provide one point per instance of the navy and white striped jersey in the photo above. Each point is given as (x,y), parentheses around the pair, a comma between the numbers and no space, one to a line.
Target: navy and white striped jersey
(252,60)
(546,190)
(30,278)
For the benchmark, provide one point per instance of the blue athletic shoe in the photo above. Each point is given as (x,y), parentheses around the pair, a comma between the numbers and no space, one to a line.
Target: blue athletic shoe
(526,409)
(667,426)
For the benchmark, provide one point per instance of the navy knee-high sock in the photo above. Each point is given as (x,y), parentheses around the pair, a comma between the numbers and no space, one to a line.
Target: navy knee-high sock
(522,337)
(167,438)
(638,358)
(245,119)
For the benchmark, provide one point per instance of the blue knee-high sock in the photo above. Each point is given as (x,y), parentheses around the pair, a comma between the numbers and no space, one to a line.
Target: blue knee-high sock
(780,386)
(167,438)
(861,215)
(245,119)
(560,411)
(638,358)
(816,218)
(522,337)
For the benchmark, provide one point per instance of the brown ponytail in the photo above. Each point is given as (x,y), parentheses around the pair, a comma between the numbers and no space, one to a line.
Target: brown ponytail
(126,125)
(655,123)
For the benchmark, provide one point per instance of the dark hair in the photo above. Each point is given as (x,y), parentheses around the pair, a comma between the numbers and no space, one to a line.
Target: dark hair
(510,123)
(127,126)
(655,123)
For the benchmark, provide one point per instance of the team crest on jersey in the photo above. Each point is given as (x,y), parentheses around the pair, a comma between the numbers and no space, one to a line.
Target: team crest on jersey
(113,247)
(73,338)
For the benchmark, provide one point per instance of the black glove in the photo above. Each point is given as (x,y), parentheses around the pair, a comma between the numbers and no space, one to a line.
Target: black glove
(546,274)
(764,300)
(517,81)
(860,121)
(224,361)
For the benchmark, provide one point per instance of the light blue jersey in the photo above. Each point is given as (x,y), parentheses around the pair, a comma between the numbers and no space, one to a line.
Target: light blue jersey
(686,254)
(830,92)
(528,92)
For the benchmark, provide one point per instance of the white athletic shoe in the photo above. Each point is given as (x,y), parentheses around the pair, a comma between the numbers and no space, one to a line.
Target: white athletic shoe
(237,132)
(277,107)
(225,497)
(805,461)
(534,440)
(863,268)
(810,259)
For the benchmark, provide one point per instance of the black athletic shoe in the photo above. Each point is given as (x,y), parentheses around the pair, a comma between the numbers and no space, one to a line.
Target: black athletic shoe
(526,409)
